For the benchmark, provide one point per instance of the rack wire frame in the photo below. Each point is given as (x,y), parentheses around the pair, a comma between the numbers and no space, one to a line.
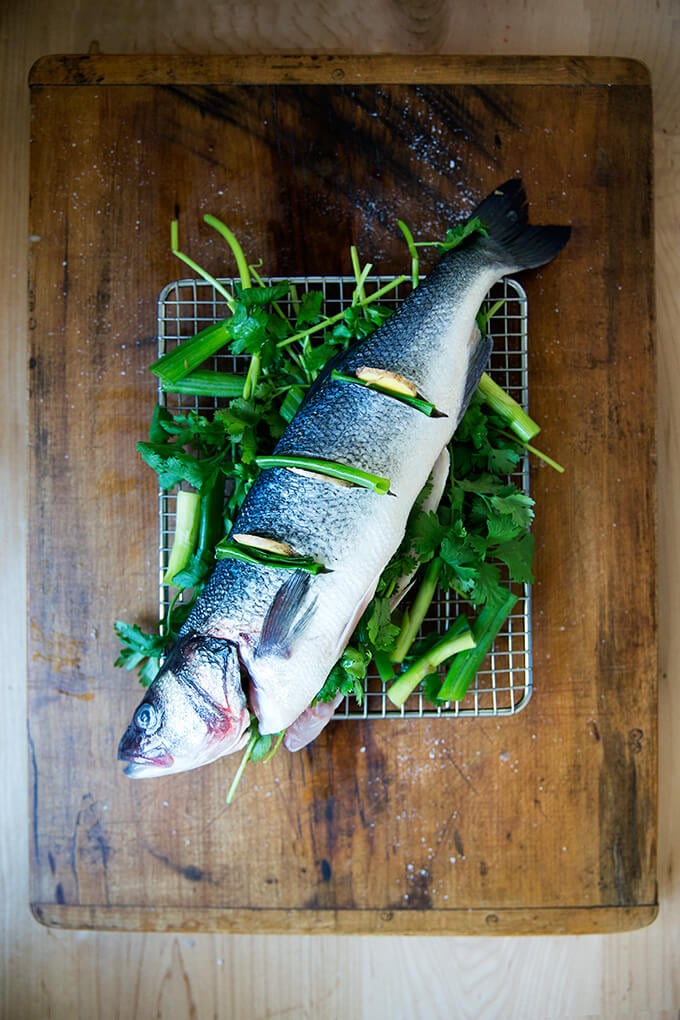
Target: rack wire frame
(504,684)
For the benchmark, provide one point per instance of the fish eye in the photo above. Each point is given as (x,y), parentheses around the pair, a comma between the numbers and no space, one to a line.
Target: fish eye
(147,718)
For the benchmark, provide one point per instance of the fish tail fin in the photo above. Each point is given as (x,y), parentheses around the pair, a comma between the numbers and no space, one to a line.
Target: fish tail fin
(504,215)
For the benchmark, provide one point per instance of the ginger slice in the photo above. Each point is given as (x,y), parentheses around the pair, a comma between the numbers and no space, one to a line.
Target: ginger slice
(320,477)
(388,380)
(270,545)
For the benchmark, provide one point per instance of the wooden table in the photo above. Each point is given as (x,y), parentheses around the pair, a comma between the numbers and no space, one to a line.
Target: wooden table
(540,823)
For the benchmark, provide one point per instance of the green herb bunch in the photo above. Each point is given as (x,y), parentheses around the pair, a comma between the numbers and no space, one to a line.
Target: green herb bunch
(477,543)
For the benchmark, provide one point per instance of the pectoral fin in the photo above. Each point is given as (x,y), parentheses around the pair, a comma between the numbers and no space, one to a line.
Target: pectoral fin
(287,617)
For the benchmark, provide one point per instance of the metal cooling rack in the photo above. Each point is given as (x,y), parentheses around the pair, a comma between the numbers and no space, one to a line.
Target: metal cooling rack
(504,684)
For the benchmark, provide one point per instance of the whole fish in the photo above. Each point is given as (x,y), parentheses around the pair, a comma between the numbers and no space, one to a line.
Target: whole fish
(264,639)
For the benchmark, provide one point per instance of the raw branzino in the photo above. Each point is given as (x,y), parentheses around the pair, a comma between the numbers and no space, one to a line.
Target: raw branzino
(263,639)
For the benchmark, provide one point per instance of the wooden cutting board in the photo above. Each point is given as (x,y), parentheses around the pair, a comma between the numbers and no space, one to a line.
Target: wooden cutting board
(544,822)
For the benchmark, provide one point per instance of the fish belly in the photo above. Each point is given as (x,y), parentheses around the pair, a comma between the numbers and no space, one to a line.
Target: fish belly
(352,532)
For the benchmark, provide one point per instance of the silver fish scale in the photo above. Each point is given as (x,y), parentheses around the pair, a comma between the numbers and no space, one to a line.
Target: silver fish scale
(304,512)
(354,426)
(246,607)
(505,683)
(413,342)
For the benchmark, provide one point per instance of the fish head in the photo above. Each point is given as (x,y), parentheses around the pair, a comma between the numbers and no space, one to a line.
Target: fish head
(194,712)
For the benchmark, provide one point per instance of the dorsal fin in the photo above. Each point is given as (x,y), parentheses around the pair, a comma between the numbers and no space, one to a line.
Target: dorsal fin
(479,357)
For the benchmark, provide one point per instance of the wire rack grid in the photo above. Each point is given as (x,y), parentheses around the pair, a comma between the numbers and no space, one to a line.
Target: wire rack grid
(504,684)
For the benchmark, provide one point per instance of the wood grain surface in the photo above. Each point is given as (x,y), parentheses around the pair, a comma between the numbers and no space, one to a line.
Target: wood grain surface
(550,817)
(67,974)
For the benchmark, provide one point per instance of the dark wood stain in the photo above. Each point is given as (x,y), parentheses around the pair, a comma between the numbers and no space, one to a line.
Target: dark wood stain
(191,872)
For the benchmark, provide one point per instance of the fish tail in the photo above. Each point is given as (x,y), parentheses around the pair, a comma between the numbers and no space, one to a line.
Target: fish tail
(504,215)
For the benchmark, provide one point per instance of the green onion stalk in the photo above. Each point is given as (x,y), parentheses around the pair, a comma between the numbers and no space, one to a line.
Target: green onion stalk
(343,472)
(419,403)
(375,296)
(187,523)
(413,617)
(207,383)
(226,550)
(253,374)
(465,666)
(507,408)
(184,359)
(457,638)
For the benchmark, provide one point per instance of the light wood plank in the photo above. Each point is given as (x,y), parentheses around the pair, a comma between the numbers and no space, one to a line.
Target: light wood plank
(300,69)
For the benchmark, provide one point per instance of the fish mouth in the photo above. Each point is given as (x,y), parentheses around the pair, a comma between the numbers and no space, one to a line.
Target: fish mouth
(135,770)
(138,764)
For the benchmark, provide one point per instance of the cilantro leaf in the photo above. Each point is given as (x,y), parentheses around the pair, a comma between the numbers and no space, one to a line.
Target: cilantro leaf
(517,505)
(502,460)
(253,297)
(173,468)
(347,675)
(261,747)
(462,561)
(473,427)
(140,651)
(456,235)
(426,534)
(249,326)
(160,422)
(309,309)
(518,556)
(381,631)
(431,687)
(487,587)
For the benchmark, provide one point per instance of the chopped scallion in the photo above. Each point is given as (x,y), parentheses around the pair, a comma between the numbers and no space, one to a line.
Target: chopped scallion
(508,409)
(187,521)
(485,629)
(184,359)
(207,383)
(346,473)
(418,403)
(227,550)
(457,638)
(414,617)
